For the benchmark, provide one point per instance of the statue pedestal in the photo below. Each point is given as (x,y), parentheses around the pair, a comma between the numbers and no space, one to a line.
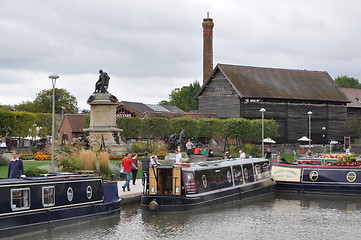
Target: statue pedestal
(103,124)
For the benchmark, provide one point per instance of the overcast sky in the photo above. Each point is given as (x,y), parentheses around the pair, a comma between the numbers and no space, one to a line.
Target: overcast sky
(149,47)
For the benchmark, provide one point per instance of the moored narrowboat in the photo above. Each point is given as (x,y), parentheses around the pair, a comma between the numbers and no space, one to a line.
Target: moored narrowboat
(313,178)
(31,204)
(186,187)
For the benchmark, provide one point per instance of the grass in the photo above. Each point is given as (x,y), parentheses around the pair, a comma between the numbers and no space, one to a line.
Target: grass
(27,164)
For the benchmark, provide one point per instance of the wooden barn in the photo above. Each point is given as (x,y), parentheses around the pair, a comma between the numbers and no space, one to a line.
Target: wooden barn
(287,95)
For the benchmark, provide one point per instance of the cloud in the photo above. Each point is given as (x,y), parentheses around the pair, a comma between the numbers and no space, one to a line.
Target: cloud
(151,47)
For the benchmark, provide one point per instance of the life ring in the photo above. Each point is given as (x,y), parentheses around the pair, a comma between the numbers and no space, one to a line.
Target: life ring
(183,164)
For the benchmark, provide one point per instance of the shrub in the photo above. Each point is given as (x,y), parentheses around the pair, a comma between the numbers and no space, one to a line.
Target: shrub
(88,160)
(3,161)
(103,160)
(34,172)
(70,164)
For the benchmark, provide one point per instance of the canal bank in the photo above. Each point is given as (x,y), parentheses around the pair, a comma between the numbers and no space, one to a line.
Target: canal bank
(133,196)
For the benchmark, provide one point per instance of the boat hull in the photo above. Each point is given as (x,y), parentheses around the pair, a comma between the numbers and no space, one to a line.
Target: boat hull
(345,180)
(25,224)
(173,204)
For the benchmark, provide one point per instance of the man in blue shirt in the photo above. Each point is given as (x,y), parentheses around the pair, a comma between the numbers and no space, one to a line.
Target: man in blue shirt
(16,167)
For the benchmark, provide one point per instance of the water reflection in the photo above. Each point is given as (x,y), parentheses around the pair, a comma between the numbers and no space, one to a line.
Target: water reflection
(284,216)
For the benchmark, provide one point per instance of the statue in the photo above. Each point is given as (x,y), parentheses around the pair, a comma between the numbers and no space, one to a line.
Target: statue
(102,84)
(172,143)
(182,141)
(41,143)
(116,137)
(8,137)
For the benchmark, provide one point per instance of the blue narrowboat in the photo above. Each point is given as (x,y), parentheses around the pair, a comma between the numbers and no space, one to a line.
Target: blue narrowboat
(311,178)
(31,204)
(187,187)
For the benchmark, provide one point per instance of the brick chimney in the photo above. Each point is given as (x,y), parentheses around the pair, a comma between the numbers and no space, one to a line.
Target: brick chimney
(207,47)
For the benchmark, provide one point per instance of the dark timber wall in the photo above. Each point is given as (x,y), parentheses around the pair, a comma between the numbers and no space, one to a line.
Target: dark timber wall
(220,98)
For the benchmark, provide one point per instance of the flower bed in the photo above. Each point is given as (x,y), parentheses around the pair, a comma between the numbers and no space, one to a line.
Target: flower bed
(36,156)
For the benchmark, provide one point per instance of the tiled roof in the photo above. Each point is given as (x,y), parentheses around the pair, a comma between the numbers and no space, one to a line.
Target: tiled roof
(76,121)
(354,95)
(274,83)
(170,115)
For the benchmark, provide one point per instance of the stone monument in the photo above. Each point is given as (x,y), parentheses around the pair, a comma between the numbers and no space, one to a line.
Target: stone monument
(102,130)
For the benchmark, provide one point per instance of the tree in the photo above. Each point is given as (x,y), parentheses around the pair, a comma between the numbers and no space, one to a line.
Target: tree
(184,123)
(131,127)
(347,82)
(155,127)
(64,101)
(27,106)
(184,97)
(24,122)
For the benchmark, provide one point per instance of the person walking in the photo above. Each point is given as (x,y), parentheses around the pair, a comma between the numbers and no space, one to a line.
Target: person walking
(134,167)
(127,163)
(145,166)
(16,167)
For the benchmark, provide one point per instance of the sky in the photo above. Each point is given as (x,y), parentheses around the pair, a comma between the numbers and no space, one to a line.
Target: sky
(150,47)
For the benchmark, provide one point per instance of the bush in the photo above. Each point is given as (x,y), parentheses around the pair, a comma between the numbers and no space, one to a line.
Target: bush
(34,172)
(70,164)
(3,161)
(103,160)
(88,159)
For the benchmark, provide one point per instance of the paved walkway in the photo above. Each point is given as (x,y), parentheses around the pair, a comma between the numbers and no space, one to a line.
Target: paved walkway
(133,196)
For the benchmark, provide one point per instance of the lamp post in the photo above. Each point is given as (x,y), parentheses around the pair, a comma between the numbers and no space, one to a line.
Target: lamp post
(262,110)
(309,129)
(324,135)
(53,78)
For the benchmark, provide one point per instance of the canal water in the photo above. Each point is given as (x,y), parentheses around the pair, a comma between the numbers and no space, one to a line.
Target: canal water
(283,216)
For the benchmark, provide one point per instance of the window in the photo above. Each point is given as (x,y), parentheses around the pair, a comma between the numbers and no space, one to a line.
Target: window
(89,192)
(48,196)
(20,199)
(70,194)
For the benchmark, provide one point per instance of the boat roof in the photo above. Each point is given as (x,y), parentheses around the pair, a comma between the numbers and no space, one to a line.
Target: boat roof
(216,164)
(47,178)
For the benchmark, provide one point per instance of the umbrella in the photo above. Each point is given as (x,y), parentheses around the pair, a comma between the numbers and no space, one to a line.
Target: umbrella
(269,140)
(304,139)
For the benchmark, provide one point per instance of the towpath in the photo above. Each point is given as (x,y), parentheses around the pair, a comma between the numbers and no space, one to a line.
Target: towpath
(133,196)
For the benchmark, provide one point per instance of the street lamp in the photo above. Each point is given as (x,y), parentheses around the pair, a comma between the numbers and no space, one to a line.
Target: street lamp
(262,110)
(53,78)
(309,129)
(324,135)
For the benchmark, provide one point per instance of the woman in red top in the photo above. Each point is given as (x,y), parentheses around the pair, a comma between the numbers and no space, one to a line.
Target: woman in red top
(197,151)
(127,163)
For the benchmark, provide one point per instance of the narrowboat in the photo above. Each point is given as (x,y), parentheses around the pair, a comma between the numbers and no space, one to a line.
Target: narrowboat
(31,204)
(318,176)
(187,187)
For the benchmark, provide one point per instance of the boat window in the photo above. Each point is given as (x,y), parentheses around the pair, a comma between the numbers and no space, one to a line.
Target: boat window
(48,196)
(89,192)
(70,194)
(20,199)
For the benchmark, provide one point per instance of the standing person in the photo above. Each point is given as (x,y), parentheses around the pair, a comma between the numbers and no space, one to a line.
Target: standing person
(268,153)
(16,167)
(135,167)
(348,150)
(127,163)
(189,146)
(178,157)
(145,166)
(242,155)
